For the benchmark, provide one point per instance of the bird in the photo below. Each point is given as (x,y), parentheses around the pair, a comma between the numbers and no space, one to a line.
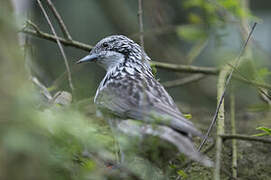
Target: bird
(129,90)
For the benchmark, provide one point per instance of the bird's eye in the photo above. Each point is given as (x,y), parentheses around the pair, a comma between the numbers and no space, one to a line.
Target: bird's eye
(105,45)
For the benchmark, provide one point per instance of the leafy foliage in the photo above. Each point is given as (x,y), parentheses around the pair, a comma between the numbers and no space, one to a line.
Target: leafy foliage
(205,17)
(213,12)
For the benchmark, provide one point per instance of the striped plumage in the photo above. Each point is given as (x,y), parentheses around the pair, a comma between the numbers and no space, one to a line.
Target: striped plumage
(130,91)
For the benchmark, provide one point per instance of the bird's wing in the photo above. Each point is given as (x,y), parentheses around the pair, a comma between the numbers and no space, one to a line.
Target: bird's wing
(143,98)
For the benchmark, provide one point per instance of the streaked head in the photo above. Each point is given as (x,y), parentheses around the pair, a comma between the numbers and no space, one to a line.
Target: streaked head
(115,50)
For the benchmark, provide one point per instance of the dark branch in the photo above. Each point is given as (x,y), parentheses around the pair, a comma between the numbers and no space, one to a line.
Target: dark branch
(140,20)
(185,68)
(183,81)
(245,138)
(50,37)
(60,21)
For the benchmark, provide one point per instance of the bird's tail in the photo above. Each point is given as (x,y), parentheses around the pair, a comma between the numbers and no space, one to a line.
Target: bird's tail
(183,143)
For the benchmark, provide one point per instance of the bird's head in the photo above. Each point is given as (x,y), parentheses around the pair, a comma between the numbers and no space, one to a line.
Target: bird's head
(116,50)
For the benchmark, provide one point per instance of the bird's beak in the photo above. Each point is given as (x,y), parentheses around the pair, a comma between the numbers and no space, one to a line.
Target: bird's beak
(90,57)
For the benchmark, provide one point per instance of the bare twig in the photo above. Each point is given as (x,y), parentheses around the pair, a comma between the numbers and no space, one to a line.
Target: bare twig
(33,25)
(244,23)
(244,31)
(253,82)
(43,89)
(183,81)
(185,68)
(243,78)
(140,20)
(223,82)
(40,34)
(221,86)
(262,87)
(58,43)
(237,61)
(233,131)
(60,21)
(196,50)
(245,138)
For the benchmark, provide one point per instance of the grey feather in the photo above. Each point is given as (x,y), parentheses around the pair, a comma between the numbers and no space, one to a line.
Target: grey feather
(127,101)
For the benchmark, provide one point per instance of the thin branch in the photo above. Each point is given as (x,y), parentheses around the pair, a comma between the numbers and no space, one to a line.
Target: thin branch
(60,21)
(59,44)
(43,89)
(244,25)
(221,86)
(196,50)
(183,81)
(185,68)
(233,131)
(245,138)
(140,20)
(223,82)
(262,87)
(33,25)
(40,34)
(237,61)
(254,83)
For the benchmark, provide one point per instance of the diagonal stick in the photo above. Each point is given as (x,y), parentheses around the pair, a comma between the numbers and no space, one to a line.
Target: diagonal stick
(60,21)
(58,43)
(226,85)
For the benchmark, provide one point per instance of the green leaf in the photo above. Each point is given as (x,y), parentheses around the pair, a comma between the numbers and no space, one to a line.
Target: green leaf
(188,116)
(267,131)
(182,174)
(191,32)
(89,165)
(195,19)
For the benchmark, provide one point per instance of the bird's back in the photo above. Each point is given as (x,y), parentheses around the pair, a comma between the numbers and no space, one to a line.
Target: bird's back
(133,92)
